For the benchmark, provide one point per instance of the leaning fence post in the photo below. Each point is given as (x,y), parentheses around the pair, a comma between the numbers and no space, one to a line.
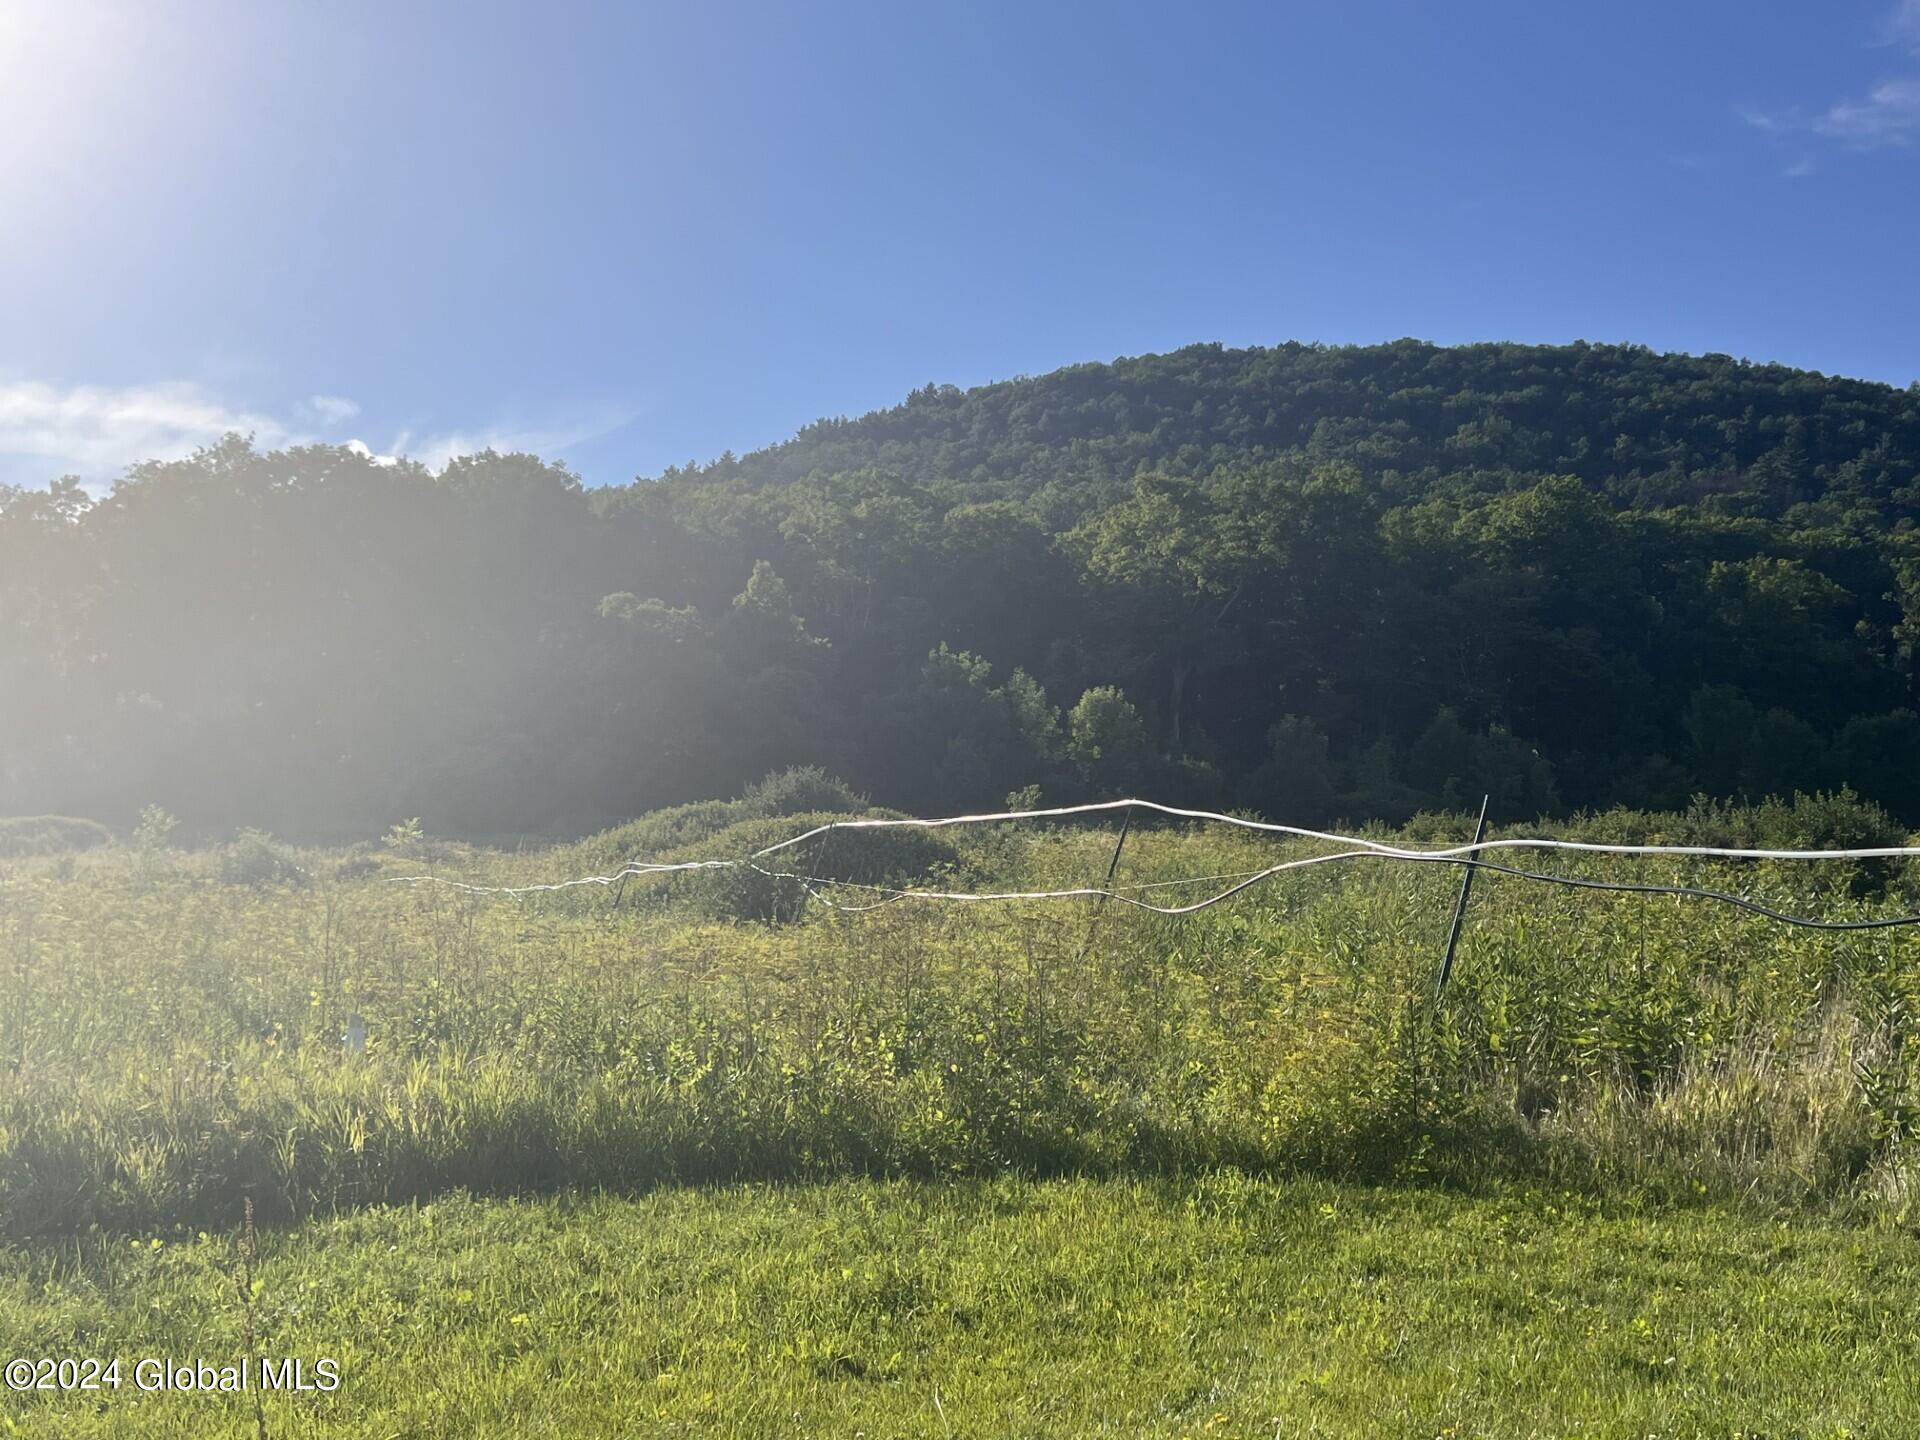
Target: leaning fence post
(1460,905)
(1113,867)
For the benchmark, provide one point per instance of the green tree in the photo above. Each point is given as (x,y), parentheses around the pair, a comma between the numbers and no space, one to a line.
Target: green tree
(1172,568)
(1107,741)
(1295,785)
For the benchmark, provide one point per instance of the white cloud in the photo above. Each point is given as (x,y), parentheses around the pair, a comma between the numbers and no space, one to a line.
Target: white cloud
(360,447)
(1902,26)
(330,409)
(1887,116)
(549,441)
(99,430)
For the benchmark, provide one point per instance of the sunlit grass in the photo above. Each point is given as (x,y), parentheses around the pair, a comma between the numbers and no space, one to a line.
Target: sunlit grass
(172,1033)
(1036,1169)
(1215,1305)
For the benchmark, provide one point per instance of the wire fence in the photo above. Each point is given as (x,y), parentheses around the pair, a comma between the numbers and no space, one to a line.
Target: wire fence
(1469,857)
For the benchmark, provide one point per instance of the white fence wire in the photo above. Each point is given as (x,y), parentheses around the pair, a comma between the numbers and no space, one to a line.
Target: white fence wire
(1356,848)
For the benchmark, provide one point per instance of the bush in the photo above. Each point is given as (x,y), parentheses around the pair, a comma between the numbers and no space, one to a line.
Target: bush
(1828,821)
(361,865)
(255,858)
(799,790)
(899,857)
(1107,741)
(1295,784)
(805,789)
(1839,820)
(650,837)
(155,830)
(1439,827)
(49,835)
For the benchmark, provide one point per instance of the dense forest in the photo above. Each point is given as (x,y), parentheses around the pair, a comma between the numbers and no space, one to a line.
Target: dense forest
(1317,582)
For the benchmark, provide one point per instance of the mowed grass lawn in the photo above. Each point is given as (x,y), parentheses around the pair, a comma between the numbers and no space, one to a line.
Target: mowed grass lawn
(1217,1306)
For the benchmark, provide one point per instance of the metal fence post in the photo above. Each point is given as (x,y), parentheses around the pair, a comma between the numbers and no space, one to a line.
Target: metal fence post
(1113,867)
(1460,905)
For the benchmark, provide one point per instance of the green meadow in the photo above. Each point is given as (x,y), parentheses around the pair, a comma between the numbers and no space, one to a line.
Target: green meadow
(697,1153)
(1210,1305)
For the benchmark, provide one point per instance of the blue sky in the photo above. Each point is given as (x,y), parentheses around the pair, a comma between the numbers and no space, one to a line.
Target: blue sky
(629,235)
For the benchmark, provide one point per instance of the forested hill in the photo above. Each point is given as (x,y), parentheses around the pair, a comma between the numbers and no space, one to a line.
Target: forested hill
(1648,430)
(1317,582)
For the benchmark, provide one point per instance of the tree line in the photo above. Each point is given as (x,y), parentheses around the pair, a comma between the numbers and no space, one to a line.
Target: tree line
(1317,582)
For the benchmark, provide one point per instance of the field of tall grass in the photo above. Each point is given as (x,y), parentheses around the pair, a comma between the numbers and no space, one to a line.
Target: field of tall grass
(172,1021)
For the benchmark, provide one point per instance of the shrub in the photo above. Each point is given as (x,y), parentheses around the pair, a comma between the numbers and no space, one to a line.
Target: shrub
(764,892)
(799,790)
(1295,785)
(358,866)
(49,835)
(650,837)
(1439,827)
(1838,820)
(1107,740)
(154,833)
(405,837)
(256,858)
